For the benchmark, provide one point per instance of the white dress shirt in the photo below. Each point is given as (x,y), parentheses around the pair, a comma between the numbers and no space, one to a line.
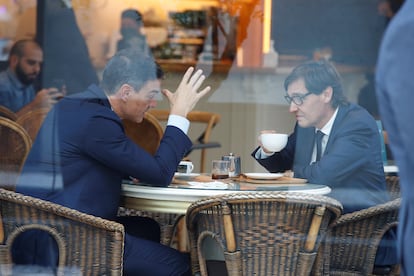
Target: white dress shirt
(180,122)
(327,128)
(260,154)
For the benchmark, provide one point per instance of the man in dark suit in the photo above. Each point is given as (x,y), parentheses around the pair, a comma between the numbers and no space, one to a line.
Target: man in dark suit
(395,91)
(81,153)
(351,163)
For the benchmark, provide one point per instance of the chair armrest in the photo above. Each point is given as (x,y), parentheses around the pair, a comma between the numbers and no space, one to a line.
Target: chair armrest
(203,146)
(206,145)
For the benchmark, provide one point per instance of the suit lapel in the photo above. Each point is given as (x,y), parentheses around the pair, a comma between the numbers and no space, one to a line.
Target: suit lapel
(305,141)
(343,110)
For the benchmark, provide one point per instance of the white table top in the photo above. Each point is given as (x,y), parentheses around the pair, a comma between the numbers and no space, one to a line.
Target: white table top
(176,198)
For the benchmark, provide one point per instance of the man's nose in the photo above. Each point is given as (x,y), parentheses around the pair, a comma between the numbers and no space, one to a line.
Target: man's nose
(37,67)
(293,107)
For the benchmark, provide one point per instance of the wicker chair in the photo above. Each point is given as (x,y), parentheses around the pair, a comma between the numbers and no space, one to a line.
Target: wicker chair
(261,233)
(146,134)
(32,120)
(7,113)
(92,245)
(14,147)
(393,186)
(352,241)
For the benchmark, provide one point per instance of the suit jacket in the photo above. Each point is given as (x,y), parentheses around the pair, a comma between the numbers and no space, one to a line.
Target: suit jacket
(395,91)
(82,153)
(351,165)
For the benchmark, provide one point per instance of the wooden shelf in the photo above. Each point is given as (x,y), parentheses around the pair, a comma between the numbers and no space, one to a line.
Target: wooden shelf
(193,41)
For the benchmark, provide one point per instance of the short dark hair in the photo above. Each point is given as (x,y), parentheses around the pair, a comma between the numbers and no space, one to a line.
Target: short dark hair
(18,47)
(318,75)
(129,66)
(133,14)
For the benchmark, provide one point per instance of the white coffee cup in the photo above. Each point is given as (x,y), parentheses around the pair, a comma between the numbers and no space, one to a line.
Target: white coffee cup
(185,167)
(274,141)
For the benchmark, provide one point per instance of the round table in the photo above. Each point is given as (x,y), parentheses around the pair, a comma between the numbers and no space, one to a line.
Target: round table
(168,205)
(176,198)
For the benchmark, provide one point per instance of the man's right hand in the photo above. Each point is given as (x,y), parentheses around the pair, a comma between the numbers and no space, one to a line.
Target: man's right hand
(259,139)
(187,95)
(47,97)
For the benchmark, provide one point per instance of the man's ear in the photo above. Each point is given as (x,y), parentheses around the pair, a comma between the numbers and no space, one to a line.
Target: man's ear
(125,92)
(327,94)
(13,61)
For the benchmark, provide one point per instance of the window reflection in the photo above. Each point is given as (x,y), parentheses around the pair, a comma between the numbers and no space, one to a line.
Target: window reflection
(230,41)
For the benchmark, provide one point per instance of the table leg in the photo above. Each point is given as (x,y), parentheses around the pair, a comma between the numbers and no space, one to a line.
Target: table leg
(182,236)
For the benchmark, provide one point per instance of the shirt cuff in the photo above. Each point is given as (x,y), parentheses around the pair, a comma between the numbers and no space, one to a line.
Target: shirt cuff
(260,154)
(180,122)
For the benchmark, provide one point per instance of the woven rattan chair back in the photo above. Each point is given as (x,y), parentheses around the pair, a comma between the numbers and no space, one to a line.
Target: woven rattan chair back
(261,233)
(32,120)
(14,146)
(7,113)
(352,241)
(393,186)
(91,245)
(146,134)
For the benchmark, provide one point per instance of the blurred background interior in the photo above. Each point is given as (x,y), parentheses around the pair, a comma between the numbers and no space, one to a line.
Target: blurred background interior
(246,47)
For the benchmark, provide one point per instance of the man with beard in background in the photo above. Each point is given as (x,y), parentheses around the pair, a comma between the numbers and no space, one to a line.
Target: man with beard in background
(17,91)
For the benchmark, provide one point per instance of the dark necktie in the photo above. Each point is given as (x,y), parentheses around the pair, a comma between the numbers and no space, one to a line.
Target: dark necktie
(318,139)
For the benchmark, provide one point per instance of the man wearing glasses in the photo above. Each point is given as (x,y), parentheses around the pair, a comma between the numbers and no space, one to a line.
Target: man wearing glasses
(350,163)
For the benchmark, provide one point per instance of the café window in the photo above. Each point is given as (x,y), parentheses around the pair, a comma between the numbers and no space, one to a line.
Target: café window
(231,40)
(349,31)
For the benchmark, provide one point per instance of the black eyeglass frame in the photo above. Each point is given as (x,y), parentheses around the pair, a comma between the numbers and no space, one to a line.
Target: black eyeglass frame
(297,99)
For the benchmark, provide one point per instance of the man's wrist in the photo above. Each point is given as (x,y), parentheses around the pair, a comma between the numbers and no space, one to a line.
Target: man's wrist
(179,122)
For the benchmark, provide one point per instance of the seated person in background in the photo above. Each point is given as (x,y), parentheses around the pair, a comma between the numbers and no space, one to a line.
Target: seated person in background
(351,163)
(17,91)
(81,153)
(130,35)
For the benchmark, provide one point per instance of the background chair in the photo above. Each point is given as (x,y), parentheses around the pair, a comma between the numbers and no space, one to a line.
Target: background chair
(393,186)
(352,241)
(14,146)
(261,233)
(32,120)
(202,142)
(7,113)
(90,244)
(147,134)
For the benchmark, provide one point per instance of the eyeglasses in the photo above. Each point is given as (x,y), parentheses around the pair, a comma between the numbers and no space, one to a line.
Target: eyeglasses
(296,99)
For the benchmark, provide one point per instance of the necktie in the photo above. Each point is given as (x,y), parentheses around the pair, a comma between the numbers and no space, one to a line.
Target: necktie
(318,139)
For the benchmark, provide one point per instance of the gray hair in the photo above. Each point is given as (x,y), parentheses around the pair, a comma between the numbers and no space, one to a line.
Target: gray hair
(129,66)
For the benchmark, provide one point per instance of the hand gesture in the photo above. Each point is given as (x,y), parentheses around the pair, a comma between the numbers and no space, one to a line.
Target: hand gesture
(187,95)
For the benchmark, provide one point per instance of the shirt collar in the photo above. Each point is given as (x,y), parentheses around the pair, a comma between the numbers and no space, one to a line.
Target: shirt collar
(327,128)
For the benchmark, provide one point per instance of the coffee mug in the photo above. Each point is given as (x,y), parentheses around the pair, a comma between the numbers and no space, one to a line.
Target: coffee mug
(185,167)
(274,141)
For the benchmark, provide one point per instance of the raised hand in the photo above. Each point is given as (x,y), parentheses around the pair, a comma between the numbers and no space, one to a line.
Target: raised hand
(187,95)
